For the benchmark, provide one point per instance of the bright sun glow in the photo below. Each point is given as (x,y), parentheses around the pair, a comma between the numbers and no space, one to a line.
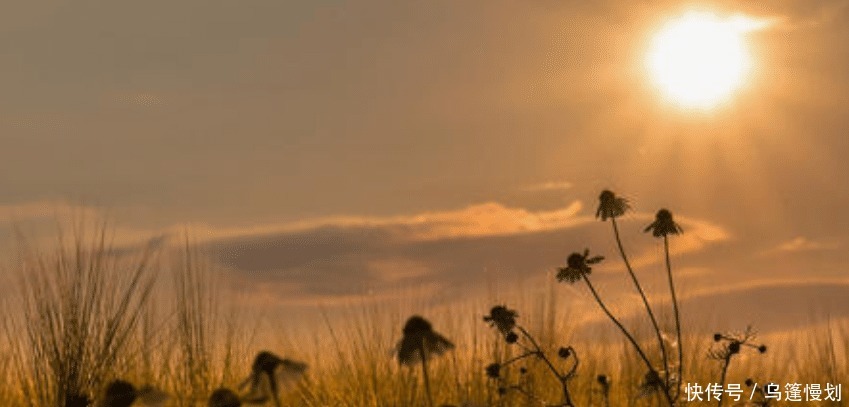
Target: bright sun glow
(699,59)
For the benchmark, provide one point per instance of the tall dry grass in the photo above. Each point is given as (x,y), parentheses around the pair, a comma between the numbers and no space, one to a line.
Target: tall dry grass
(88,313)
(80,305)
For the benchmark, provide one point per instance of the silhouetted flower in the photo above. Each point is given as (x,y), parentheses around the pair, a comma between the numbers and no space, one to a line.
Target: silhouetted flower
(610,205)
(663,224)
(602,380)
(749,382)
(577,265)
(493,370)
(419,337)
(734,347)
(511,337)
(717,337)
(564,352)
(267,372)
(762,349)
(502,318)
(120,393)
(651,383)
(223,397)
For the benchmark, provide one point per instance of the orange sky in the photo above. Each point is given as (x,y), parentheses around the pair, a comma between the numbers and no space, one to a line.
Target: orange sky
(327,141)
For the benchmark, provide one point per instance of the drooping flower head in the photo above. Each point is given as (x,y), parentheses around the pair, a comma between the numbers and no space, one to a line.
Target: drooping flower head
(224,397)
(267,373)
(577,265)
(120,393)
(493,370)
(502,318)
(651,384)
(663,224)
(420,342)
(610,205)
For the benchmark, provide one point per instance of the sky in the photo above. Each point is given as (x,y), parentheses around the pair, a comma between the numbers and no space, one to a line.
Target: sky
(326,150)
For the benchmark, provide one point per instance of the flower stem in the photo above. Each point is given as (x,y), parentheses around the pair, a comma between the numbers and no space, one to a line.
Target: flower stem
(725,364)
(627,335)
(677,317)
(567,399)
(643,296)
(424,373)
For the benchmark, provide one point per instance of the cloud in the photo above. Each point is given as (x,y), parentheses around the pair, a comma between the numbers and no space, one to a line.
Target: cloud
(486,219)
(696,236)
(455,252)
(800,244)
(548,186)
(445,255)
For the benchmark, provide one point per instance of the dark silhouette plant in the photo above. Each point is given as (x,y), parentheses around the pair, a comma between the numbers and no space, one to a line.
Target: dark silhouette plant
(604,388)
(578,267)
(663,226)
(611,206)
(504,320)
(269,367)
(223,397)
(121,393)
(418,343)
(730,345)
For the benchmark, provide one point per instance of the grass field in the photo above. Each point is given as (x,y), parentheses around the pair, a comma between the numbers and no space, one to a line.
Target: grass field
(86,313)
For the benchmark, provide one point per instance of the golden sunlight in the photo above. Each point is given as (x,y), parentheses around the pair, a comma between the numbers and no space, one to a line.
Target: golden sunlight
(698,60)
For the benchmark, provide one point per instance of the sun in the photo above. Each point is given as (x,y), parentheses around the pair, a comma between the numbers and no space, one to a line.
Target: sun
(699,60)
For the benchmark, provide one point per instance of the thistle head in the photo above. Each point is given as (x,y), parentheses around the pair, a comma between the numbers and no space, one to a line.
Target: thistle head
(502,318)
(417,325)
(610,205)
(223,397)
(493,371)
(265,362)
(663,224)
(120,393)
(651,383)
(577,266)
(420,341)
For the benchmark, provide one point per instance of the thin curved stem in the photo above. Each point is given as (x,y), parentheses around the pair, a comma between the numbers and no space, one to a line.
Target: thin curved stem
(677,317)
(424,374)
(567,398)
(643,296)
(725,364)
(627,335)
(539,353)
